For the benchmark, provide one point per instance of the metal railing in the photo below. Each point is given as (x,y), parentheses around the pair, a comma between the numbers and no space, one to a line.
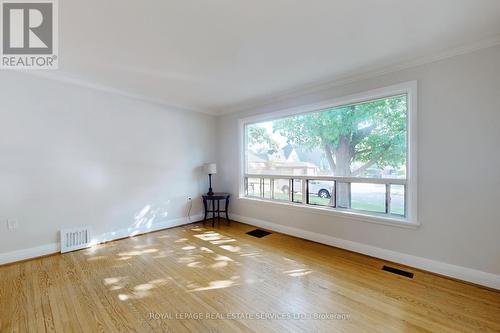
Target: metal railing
(339,195)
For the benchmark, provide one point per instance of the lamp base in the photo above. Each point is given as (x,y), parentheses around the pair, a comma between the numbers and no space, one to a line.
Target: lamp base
(210,192)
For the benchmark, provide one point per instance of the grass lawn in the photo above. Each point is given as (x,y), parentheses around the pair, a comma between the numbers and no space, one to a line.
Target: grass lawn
(368,202)
(360,204)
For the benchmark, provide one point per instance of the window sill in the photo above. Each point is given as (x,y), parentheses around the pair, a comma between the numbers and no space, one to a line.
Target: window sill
(358,216)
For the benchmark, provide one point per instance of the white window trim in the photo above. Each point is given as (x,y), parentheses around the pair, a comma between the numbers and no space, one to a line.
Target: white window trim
(408,88)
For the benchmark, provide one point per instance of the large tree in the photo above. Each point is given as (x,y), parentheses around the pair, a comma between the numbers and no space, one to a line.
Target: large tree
(371,134)
(261,140)
(353,138)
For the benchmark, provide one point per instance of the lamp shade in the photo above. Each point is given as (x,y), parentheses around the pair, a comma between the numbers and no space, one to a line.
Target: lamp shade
(210,168)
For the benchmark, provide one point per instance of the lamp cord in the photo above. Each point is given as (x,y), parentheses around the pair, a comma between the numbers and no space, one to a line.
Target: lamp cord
(189,210)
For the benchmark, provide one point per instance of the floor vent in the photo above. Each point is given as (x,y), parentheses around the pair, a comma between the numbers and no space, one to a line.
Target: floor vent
(74,239)
(397,271)
(259,233)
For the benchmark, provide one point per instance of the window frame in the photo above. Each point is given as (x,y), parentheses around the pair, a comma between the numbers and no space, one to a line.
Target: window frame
(408,88)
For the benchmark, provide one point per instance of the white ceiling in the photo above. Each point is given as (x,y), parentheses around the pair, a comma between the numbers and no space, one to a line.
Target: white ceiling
(219,55)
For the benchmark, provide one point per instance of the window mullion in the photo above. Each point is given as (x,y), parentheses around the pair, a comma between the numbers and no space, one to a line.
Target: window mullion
(387,198)
(305,191)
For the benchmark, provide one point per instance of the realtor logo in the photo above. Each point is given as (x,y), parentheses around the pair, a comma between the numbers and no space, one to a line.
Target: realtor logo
(29,34)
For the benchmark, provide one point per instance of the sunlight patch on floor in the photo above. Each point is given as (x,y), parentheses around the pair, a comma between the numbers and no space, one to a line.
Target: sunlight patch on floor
(222,241)
(219,257)
(189,259)
(112,280)
(219,264)
(96,258)
(251,254)
(217,284)
(206,249)
(298,272)
(195,264)
(230,248)
(209,236)
(143,287)
(137,253)
(139,291)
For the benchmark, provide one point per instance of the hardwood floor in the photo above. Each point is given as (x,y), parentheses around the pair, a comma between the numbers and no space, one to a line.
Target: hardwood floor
(164,281)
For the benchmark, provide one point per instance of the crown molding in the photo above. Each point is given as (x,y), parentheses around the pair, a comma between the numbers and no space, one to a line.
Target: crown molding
(63,77)
(262,101)
(326,84)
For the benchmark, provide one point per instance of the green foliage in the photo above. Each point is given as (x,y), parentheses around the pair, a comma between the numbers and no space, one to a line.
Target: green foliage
(372,133)
(258,136)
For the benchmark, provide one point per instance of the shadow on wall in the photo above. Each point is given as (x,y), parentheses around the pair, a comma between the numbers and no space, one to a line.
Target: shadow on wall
(154,216)
(143,221)
(147,216)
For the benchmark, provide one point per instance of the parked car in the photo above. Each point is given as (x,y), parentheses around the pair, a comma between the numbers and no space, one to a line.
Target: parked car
(321,188)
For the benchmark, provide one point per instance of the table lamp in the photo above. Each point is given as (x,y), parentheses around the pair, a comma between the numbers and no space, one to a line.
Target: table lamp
(210,169)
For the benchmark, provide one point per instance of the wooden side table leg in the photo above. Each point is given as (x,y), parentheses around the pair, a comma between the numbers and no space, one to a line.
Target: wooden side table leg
(218,211)
(227,213)
(206,208)
(213,213)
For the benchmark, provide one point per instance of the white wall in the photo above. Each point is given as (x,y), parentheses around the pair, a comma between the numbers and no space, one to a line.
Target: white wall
(72,156)
(458,166)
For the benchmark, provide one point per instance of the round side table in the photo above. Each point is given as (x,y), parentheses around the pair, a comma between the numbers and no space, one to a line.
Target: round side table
(215,207)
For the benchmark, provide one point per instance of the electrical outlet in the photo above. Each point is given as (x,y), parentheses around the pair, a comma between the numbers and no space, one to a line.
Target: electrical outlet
(12,224)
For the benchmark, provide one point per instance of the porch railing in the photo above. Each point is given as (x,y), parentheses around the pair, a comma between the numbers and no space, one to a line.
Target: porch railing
(299,190)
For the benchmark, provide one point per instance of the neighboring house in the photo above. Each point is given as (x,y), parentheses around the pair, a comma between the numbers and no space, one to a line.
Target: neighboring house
(289,160)
(285,162)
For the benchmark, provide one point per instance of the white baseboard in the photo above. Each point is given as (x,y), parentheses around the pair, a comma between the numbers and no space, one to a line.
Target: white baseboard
(33,252)
(458,272)
(10,257)
(134,231)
